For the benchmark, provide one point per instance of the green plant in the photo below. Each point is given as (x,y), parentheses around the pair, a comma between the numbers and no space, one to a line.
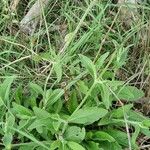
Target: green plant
(44,120)
(61,88)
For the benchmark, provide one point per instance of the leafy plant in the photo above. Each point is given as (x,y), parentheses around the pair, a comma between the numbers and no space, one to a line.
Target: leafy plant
(74,83)
(69,128)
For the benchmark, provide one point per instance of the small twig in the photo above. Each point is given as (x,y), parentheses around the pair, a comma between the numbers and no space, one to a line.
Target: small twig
(14,5)
(106,35)
(18,60)
(145,146)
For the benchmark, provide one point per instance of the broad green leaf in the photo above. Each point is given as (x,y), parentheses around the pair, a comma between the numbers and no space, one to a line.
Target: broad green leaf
(87,115)
(19,95)
(90,145)
(75,146)
(130,93)
(36,88)
(57,106)
(101,60)
(75,134)
(136,116)
(146,132)
(53,96)
(114,85)
(119,136)
(105,94)
(40,113)
(10,121)
(32,101)
(5,89)
(89,65)
(108,120)
(40,129)
(72,103)
(58,70)
(43,114)
(30,146)
(102,136)
(55,145)
(119,112)
(46,122)
(7,139)
(56,125)
(21,110)
(82,87)
(110,145)
(105,120)
(146,123)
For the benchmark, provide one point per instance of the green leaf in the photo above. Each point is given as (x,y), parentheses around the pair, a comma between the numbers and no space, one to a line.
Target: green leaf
(41,113)
(5,89)
(10,121)
(7,139)
(136,116)
(22,110)
(56,125)
(102,136)
(89,65)
(114,85)
(46,122)
(30,146)
(72,103)
(87,115)
(119,112)
(90,145)
(36,88)
(75,146)
(130,93)
(75,134)
(55,145)
(19,95)
(146,123)
(105,94)
(82,87)
(101,60)
(57,106)
(53,96)
(110,146)
(119,136)
(146,132)
(58,70)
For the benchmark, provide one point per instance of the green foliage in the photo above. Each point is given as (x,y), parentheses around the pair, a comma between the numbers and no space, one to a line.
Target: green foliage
(130,93)
(69,128)
(87,115)
(88,64)
(63,88)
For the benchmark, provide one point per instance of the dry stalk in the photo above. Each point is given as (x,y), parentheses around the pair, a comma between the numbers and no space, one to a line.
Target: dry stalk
(29,23)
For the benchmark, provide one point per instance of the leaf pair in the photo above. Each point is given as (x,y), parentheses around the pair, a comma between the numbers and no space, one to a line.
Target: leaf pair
(91,67)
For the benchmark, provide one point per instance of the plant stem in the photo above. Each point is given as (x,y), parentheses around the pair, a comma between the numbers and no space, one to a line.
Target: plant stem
(86,96)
